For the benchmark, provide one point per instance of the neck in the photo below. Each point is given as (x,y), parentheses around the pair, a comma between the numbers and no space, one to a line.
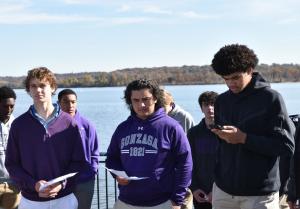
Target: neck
(4,119)
(44,109)
(209,121)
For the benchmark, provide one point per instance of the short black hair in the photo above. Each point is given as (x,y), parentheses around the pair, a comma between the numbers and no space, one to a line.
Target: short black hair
(65,92)
(208,97)
(139,84)
(234,58)
(6,93)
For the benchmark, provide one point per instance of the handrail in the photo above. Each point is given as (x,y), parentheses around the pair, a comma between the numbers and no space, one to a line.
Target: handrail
(104,177)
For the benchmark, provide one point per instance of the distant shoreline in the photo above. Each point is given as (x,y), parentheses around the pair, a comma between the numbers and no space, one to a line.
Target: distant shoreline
(184,75)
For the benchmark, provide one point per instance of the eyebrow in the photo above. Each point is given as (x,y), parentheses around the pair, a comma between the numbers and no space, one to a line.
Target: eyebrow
(232,77)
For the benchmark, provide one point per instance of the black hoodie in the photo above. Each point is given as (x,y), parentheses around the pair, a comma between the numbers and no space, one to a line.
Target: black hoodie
(252,169)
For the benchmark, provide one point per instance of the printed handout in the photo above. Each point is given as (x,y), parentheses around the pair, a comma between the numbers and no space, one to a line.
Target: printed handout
(124,175)
(58,179)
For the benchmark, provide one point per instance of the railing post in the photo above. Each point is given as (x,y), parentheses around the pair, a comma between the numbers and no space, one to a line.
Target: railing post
(99,188)
(98,192)
(106,188)
(115,182)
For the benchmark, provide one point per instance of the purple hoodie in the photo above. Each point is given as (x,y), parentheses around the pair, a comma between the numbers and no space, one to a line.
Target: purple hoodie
(91,149)
(35,153)
(156,148)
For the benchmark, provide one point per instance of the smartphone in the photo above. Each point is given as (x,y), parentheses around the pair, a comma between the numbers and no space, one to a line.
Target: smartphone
(203,196)
(216,126)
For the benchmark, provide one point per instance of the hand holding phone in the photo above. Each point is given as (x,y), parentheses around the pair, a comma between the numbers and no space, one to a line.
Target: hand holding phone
(216,126)
(203,196)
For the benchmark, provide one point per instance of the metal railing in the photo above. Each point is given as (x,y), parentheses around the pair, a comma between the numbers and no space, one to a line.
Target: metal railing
(105,193)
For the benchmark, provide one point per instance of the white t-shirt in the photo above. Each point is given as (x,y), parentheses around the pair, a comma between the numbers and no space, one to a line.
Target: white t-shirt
(4,131)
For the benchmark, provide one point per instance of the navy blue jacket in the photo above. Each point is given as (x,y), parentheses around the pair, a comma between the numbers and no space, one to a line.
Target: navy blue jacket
(252,168)
(204,148)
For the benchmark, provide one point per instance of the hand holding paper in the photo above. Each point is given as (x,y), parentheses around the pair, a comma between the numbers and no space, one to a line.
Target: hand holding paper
(124,175)
(56,180)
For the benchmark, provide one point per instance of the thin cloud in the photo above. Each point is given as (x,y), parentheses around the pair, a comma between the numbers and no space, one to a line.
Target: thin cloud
(124,8)
(28,18)
(44,18)
(129,20)
(13,14)
(266,8)
(195,15)
(288,21)
(13,6)
(142,8)
(156,10)
(80,1)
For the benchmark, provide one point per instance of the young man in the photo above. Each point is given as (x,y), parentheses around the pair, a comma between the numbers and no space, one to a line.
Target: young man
(9,193)
(150,144)
(84,191)
(204,148)
(293,197)
(44,143)
(175,111)
(256,132)
(186,121)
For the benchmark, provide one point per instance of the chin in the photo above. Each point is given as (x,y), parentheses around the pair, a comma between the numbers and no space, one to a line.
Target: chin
(234,91)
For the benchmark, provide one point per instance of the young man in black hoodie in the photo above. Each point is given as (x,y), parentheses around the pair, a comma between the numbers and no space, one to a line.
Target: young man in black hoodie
(204,145)
(256,131)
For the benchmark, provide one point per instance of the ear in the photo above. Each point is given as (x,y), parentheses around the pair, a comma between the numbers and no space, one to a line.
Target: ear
(250,71)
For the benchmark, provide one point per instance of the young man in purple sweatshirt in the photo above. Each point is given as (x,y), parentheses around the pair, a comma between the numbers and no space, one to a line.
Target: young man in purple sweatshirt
(153,145)
(44,143)
(84,191)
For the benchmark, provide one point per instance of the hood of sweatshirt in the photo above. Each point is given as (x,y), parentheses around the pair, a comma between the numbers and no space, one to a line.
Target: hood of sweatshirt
(158,114)
(257,82)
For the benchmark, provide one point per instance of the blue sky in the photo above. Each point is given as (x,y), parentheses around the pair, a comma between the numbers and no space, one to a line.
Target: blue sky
(104,35)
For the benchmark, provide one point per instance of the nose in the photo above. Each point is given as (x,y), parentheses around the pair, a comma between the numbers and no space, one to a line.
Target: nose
(229,82)
(9,109)
(38,89)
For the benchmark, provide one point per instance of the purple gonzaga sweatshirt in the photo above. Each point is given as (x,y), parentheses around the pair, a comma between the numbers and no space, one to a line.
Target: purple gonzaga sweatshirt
(35,153)
(91,149)
(156,148)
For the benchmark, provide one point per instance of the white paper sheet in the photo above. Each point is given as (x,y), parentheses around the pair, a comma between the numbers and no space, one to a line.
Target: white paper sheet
(124,175)
(58,179)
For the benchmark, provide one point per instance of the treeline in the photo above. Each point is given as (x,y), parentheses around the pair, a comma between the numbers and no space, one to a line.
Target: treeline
(164,75)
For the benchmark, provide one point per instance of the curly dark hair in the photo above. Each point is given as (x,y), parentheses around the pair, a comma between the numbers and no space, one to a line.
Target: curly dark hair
(40,73)
(234,58)
(139,84)
(7,93)
(208,97)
